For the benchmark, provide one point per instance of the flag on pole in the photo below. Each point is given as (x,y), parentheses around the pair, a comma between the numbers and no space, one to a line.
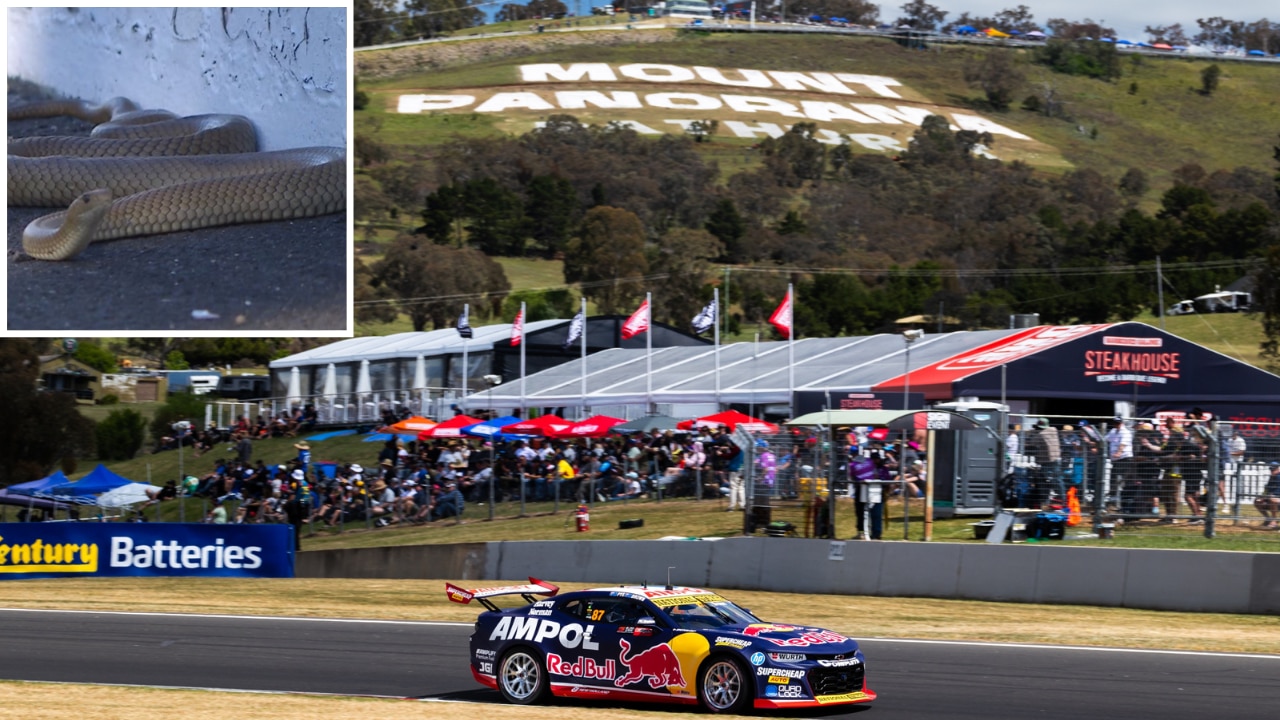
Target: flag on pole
(575,329)
(464,323)
(637,323)
(706,319)
(781,318)
(517,328)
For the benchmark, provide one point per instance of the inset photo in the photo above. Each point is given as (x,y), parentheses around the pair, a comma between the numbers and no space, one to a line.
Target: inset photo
(178,169)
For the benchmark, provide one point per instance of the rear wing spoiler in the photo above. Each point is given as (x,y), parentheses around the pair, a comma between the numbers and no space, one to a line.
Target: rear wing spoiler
(535,587)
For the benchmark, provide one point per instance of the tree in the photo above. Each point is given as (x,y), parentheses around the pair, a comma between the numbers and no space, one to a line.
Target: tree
(95,356)
(728,227)
(1088,58)
(175,360)
(433,18)
(1134,184)
(541,304)
(552,209)
(120,435)
(1171,34)
(431,283)
(39,431)
(607,257)
(684,256)
(1209,79)
(920,15)
(534,9)
(178,407)
(373,301)
(997,75)
(373,22)
(1085,29)
(797,156)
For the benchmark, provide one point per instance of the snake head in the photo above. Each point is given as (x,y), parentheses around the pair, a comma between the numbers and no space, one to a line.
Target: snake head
(64,235)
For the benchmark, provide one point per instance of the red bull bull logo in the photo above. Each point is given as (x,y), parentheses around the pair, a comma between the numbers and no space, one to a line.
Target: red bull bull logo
(658,664)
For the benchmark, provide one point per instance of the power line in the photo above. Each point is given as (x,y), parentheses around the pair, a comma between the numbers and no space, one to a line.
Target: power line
(900,272)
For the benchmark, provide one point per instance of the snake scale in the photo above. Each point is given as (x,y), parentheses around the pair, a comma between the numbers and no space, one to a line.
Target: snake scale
(144,172)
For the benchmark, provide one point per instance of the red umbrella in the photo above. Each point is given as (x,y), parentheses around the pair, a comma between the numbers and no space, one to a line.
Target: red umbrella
(730,419)
(450,428)
(548,425)
(592,427)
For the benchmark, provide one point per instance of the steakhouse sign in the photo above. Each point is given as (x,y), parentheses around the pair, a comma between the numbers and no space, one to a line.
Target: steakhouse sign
(866,110)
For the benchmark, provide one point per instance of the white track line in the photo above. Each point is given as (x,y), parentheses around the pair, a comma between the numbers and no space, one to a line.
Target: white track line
(872,639)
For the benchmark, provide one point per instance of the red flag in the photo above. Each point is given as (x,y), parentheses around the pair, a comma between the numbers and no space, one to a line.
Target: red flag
(781,318)
(517,328)
(637,323)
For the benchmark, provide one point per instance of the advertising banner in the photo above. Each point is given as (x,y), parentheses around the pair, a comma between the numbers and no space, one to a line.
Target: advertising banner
(90,549)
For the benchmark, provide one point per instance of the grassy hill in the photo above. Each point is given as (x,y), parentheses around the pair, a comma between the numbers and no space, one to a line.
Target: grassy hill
(1153,117)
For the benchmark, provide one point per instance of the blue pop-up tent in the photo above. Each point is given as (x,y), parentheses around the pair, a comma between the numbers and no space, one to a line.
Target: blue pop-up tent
(99,480)
(35,487)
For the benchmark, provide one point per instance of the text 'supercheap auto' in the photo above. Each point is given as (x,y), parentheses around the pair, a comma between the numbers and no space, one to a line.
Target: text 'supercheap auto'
(670,644)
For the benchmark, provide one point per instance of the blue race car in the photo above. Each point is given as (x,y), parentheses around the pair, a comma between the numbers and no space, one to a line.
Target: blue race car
(670,644)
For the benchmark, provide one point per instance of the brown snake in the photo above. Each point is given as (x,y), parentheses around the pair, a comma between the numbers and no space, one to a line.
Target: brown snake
(143,172)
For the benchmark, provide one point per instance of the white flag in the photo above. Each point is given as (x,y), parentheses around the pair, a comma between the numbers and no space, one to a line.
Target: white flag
(464,322)
(706,319)
(575,328)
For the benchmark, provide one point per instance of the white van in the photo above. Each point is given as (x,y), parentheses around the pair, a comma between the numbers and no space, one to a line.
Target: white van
(204,384)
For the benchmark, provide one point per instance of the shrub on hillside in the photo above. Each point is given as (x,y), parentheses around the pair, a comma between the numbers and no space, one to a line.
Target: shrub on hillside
(120,435)
(1085,57)
(180,406)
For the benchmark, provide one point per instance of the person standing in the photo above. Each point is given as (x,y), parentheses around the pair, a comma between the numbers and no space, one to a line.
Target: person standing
(1268,501)
(733,457)
(1120,450)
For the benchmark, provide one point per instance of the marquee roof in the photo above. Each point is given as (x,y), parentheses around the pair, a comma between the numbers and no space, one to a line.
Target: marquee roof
(1109,361)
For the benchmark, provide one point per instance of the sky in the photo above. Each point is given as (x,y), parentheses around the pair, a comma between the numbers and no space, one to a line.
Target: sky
(1128,17)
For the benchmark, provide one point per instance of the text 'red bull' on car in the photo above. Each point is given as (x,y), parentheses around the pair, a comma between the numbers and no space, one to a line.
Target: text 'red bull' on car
(671,644)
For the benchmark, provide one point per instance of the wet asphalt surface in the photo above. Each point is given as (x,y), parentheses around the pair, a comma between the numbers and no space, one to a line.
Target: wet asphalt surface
(288,276)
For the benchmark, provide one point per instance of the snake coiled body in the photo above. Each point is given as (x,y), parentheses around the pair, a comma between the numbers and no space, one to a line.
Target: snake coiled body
(148,172)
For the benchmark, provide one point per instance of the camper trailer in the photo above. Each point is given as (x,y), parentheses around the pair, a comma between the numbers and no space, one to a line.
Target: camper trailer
(1224,301)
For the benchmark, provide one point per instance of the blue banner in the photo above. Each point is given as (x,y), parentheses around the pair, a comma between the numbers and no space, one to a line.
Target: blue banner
(90,549)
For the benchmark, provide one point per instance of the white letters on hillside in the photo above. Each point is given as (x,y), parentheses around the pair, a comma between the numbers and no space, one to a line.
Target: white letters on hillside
(835,100)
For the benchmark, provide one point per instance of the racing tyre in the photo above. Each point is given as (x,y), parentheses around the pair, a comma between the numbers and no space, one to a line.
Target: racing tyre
(724,687)
(522,679)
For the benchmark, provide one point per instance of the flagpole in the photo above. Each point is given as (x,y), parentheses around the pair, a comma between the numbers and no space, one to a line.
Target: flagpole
(466,313)
(715,298)
(523,414)
(791,353)
(584,355)
(648,353)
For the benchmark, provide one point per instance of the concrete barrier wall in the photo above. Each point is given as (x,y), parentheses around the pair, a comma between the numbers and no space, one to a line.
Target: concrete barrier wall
(1194,581)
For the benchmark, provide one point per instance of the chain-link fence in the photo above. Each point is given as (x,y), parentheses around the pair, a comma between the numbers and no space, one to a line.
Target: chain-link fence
(1122,473)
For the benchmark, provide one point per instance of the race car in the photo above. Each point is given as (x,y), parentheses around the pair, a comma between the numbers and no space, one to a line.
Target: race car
(655,644)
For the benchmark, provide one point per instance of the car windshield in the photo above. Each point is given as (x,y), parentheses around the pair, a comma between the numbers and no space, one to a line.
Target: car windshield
(693,612)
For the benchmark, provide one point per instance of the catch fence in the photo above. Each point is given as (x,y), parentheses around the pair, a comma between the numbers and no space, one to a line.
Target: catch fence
(1134,474)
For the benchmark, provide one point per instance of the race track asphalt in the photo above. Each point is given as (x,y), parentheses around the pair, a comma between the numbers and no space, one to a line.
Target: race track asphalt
(915,679)
(289,276)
